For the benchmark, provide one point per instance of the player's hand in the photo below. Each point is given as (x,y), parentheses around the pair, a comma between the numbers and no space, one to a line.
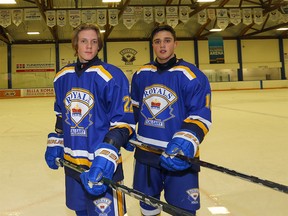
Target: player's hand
(183,143)
(103,165)
(55,149)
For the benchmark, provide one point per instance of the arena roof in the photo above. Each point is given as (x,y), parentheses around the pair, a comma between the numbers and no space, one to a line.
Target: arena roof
(237,18)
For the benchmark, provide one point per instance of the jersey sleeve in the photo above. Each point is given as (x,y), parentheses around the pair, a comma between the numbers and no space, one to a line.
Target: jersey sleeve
(135,100)
(198,106)
(116,99)
(57,103)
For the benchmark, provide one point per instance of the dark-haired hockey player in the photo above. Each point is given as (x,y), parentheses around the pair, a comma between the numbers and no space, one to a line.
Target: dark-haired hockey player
(93,112)
(171,103)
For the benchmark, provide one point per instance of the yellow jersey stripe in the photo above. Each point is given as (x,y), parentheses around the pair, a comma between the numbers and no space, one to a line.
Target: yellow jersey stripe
(198,123)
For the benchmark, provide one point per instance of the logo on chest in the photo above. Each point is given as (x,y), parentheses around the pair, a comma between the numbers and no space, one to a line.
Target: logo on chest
(156,107)
(78,103)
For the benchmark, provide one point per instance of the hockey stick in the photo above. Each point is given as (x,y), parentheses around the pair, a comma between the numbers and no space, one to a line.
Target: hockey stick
(130,192)
(254,179)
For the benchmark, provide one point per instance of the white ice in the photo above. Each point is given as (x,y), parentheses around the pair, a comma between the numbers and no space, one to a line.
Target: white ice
(249,134)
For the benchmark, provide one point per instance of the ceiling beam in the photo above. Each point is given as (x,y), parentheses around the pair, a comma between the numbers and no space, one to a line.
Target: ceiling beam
(3,35)
(266,29)
(41,6)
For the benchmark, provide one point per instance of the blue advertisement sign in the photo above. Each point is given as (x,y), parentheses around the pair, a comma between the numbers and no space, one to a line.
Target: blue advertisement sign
(216,50)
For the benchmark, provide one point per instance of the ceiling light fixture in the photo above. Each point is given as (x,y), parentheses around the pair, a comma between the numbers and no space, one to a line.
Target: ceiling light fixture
(215,30)
(33,33)
(206,1)
(7,1)
(102,31)
(282,29)
(110,1)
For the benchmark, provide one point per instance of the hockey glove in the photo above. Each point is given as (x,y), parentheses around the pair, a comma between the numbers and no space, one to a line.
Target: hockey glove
(55,149)
(183,143)
(128,146)
(103,165)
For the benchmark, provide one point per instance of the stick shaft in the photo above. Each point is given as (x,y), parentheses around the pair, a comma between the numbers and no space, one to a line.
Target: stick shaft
(131,192)
(254,179)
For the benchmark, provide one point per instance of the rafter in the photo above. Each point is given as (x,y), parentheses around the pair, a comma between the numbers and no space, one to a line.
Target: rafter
(41,7)
(3,35)
(266,29)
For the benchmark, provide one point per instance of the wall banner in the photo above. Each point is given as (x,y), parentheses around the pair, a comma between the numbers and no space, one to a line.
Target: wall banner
(216,50)
(38,67)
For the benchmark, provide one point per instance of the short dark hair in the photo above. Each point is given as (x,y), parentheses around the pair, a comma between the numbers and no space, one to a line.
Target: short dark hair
(86,26)
(163,28)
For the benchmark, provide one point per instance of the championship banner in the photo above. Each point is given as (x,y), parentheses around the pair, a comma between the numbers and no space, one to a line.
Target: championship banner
(235,16)
(274,15)
(5,18)
(247,16)
(32,14)
(222,22)
(202,17)
(74,18)
(61,18)
(216,50)
(138,11)
(211,13)
(38,67)
(101,17)
(148,14)
(258,16)
(129,17)
(51,18)
(113,17)
(172,16)
(222,18)
(88,16)
(184,13)
(159,14)
(17,16)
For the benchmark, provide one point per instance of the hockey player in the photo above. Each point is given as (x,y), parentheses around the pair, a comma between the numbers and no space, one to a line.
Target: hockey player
(171,103)
(93,112)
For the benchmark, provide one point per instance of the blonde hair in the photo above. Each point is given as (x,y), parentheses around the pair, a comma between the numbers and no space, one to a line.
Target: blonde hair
(86,26)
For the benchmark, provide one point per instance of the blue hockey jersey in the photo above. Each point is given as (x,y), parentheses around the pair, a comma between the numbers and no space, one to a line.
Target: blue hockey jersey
(167,101)
(90,104)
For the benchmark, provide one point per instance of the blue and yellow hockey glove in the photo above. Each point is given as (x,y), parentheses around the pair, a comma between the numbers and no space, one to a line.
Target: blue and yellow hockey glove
(103,165)
(183,143)
(55,149)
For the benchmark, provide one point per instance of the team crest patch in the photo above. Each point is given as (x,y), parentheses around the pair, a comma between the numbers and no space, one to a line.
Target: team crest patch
(78,103)
(102,206)
(193,195)
(156,107)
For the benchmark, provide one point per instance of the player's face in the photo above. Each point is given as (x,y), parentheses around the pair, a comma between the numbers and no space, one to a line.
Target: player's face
(164,46)
(87,45)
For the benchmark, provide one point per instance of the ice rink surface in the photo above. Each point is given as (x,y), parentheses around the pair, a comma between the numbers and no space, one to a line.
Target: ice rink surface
(249,134)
